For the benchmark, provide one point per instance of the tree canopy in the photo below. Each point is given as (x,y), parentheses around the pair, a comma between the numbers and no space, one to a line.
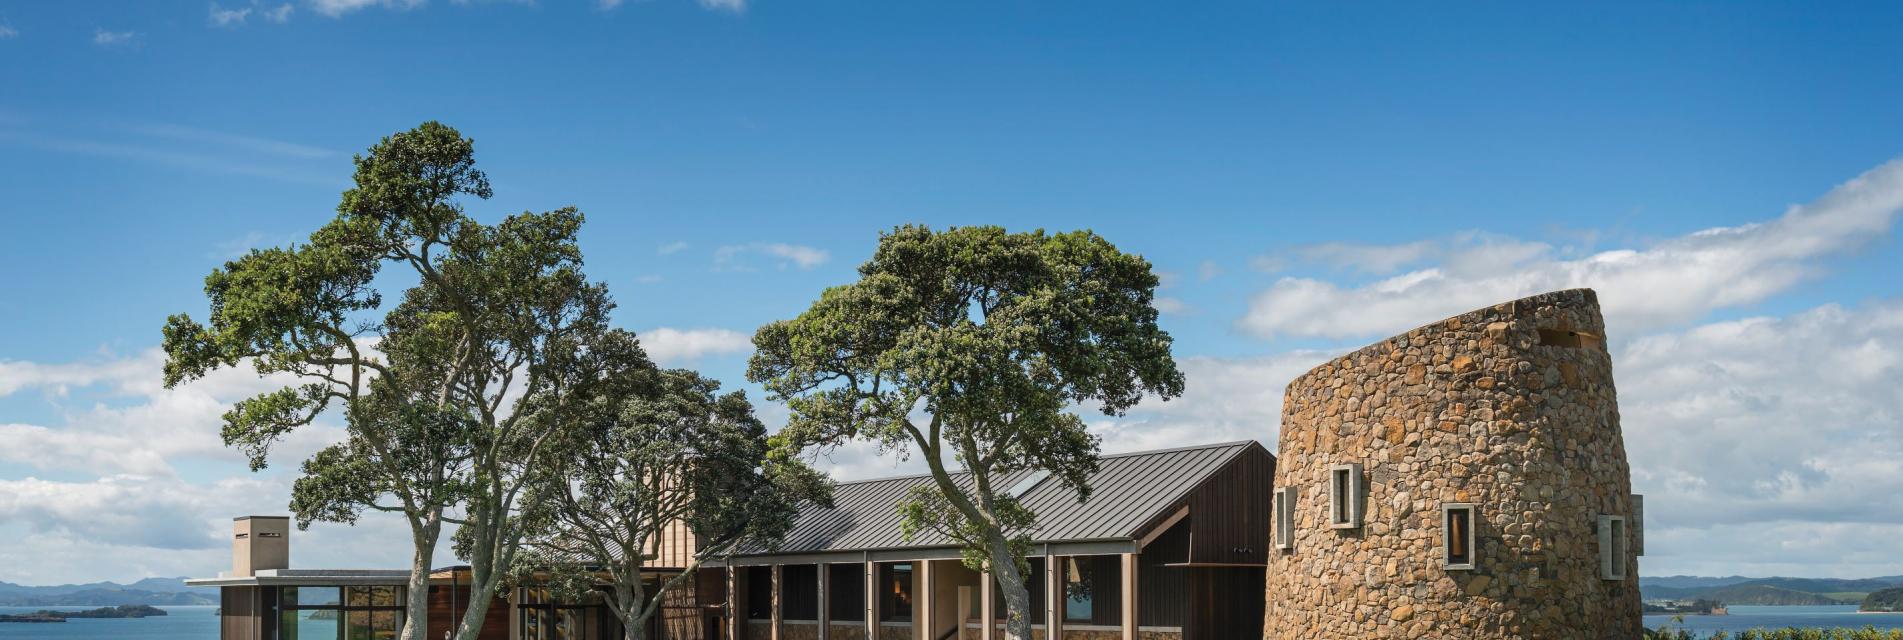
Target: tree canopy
(969,347)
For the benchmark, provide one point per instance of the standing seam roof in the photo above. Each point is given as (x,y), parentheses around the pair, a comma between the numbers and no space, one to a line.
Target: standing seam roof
(1127,491)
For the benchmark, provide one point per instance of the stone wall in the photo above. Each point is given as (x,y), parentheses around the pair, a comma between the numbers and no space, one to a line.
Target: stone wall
(848,631)
(1510,408)
(971,630)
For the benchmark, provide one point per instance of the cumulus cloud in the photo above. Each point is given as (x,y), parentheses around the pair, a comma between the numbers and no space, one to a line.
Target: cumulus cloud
(734,257)
(1368,258)
(106,38)
(116,418)
(1208,270)
(279,15)
(675,347)
(221,17)
(1766,423)
(1673,282)
(338,8)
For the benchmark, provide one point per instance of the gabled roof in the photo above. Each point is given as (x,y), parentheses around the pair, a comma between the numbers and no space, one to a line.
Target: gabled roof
(1128,491)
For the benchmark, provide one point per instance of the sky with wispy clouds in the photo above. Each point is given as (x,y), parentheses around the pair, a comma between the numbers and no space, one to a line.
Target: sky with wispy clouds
(1307,179)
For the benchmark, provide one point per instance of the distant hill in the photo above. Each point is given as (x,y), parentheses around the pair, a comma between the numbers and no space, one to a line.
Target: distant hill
(1765,591)
(152,591)
(1890,599)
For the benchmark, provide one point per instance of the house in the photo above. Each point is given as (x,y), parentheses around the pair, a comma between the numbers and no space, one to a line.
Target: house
(1171,545)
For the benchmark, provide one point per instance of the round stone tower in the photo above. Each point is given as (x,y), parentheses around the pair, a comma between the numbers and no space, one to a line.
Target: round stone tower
(1466,479)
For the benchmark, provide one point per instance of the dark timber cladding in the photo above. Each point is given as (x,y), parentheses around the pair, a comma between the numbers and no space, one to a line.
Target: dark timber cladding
(1170,546)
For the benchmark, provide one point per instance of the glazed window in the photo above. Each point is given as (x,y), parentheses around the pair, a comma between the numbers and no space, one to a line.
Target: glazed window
(1638,525)
(1077,590)
(1344,496)
(895,592)
(339,613)
(1612,547)
(1457,536)
(1284,518)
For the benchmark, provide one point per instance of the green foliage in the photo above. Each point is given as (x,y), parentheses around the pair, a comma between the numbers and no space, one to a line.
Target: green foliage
(971,345)
(650,449)
(453,394)
(1890,599)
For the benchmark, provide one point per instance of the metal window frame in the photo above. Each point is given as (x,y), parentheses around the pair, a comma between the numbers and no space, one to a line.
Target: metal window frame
(1284,526)
(1447,510)
(1354,493)
(1614,547)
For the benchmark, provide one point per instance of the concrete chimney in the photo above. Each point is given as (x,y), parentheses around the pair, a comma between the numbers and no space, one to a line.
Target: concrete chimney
(258,543)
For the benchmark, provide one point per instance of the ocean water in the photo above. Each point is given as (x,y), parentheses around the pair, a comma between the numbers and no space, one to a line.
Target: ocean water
(201,622)
(181,623)
(1749,617)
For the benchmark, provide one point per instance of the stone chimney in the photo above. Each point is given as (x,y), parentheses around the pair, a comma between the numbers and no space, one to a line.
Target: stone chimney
(258,543)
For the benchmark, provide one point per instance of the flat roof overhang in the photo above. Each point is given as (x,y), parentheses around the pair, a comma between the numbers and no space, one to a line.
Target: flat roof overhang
(309,578)
(904,554)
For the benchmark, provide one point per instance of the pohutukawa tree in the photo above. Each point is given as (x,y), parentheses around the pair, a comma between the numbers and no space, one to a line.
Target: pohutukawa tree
(435,389)
(658,455)
(967,348)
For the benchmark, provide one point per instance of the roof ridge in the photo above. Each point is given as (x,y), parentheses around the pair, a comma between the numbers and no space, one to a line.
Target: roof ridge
(1130,454)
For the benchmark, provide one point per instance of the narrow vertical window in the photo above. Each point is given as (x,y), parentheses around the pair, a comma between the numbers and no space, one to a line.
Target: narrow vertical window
(1284,518)
(1612,547)
(1638,525)
(1457,536)
(1344,496)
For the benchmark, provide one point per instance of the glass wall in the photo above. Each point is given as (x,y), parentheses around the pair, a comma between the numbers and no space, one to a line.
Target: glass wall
(340,613)
(895,592)
(544,618)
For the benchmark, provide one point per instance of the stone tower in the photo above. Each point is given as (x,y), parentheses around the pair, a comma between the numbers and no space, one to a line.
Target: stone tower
(1466,479)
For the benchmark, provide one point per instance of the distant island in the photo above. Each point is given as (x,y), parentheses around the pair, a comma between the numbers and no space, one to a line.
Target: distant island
(121,611)
(1883,601)
(1700,607)
(150,591)
(1739,590)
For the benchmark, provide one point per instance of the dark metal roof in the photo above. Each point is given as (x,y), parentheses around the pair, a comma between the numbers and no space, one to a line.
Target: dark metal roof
(1128,491)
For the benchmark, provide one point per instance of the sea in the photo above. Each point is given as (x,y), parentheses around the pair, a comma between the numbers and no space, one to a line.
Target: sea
(179,623)
(201,622)
(1743,617)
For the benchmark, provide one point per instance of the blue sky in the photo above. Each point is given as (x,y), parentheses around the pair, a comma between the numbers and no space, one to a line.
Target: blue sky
(1309,177)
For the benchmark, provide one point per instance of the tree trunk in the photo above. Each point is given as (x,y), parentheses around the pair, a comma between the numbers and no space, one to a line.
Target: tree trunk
(1017,599)
(631,607)
(416,600)
(480,596)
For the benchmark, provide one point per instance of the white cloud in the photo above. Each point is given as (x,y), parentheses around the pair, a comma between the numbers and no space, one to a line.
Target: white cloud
(1366,258)
(1169,305)
(121,492)
(1208,270)
(229,17)
(607,4)
(1772,432)
(1676,281)
(732,6)
(126,422)
(674,347)
(337,8)
(280,15)
(671,248)
(7,31)
(221,162)
(732,257)
(255,144)
(106,38)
